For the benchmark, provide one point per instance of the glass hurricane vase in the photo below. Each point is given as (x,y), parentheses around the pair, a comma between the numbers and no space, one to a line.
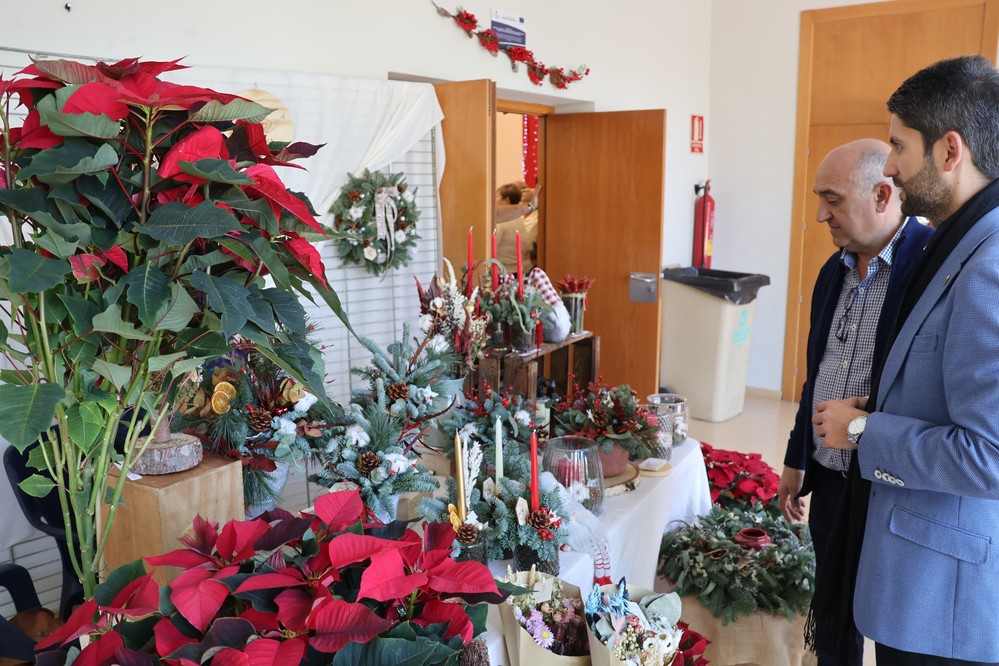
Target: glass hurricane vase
(575,462)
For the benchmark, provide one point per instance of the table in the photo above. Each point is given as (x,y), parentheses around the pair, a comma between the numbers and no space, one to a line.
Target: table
(634,523)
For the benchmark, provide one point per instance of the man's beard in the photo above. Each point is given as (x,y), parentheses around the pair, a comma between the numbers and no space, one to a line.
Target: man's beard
(926,193)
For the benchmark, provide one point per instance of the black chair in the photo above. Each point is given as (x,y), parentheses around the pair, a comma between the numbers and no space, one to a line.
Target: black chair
(13,643)
(45,515)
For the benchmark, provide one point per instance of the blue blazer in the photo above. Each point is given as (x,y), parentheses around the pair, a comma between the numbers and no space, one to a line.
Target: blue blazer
(928,580)
(824,297)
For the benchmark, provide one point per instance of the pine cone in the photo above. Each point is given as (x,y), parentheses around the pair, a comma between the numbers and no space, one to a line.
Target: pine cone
(260,421)
(600,418)
(368,462)
(468,534)
(398,391)
(540,519)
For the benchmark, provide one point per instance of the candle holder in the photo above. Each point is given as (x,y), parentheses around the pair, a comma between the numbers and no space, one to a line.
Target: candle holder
(524,557)
(575,462)
(673,412)
(576,305)
(521,338)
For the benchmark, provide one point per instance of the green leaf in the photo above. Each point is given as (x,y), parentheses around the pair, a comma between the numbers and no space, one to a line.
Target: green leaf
(79,351)
(148,291)
(108,197)
(263,315)
(215,171)
(238,109)
(110,321)
(30,272)
(178,224)
(287,309)
(202,342)
(119,375)
(76,124)
(258,210)
(86,423)
(69,160)
(188,365)
(3,333)
(14,378)
(56,244)
(30,201)
(176,313)
(36,485)
(226,297)
(82,313)
(117,580)
(25,411)
(158,363)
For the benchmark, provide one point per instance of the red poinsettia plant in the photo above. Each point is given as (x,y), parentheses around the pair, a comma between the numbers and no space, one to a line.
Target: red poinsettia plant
(571,284)
(740,478)
(289,590)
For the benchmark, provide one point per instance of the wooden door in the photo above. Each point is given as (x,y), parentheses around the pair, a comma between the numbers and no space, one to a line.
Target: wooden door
(851,59)
(467,192)
(604,210)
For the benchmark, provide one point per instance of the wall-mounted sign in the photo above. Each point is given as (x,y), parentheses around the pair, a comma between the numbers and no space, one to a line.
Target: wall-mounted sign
(510,29)
(697,134)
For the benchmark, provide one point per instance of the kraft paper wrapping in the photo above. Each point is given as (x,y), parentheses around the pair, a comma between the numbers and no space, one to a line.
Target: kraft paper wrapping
(759,639)
(521,648)
(600,655)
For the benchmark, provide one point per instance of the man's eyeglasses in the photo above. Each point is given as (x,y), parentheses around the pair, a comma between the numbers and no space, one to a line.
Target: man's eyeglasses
(841,328)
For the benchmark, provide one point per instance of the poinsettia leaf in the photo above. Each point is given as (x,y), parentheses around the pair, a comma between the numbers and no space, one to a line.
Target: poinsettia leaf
(176,223)
(86,422)
(225,631)
(110,321)
(439,535)
(148,290)
(198,597)
(119,375)
(226,297)
(283,532)
(287,309)
(182,557)
(36,485)
(269,581)
(340,510)
(75,124)
(64,249)
(70,160)
(238,109)
(215,171)
(177,311)
(79,623)
(308,256)
(460,578)
(96,97)
(67,71)
(231,657)
(262,621)
(86,267)
(30,272)
(268,185)
(138,599)
(294,606)
(397,651)
(338,622)
(101,651)
(453,614)
(25,411)
(386,578)
(235,542)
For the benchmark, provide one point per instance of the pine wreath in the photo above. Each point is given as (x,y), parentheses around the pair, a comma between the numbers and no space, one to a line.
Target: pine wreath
(374,221)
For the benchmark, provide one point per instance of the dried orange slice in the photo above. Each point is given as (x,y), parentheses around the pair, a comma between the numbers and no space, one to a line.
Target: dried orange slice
(220,402)
(227,388)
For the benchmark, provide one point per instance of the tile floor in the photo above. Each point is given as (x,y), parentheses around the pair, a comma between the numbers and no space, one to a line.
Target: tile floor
(762,427)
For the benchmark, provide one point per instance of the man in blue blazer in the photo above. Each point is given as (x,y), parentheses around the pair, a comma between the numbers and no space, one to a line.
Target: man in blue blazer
(927,441)
(854,303)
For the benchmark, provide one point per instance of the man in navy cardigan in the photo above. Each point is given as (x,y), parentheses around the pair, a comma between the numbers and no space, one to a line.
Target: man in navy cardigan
(854,303)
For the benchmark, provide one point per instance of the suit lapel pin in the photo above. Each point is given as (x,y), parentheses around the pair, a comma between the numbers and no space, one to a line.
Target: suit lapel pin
(946,279)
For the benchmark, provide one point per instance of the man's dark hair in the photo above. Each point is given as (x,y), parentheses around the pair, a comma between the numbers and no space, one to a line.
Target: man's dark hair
(957,94)
(510,192)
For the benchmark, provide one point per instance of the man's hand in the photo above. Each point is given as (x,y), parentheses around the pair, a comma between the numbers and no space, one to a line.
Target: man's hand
(831,419)
(792,506)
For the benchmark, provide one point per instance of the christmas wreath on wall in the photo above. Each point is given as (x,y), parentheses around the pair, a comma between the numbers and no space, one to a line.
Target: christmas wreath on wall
(374,221)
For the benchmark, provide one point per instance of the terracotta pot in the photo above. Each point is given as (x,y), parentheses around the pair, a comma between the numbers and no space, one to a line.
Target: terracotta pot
(752,537)
(615,462)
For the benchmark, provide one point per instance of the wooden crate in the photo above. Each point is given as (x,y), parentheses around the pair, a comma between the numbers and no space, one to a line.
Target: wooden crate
(157,510)
(578,355)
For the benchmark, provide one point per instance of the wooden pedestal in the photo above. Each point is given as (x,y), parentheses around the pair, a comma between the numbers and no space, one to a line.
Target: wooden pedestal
(157,510)
(578,355)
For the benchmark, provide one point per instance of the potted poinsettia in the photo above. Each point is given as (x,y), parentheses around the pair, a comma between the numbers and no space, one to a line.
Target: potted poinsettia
(287,590)
(144,216)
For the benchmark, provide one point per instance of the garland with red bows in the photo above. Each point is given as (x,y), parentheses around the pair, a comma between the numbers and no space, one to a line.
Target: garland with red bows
(537,71)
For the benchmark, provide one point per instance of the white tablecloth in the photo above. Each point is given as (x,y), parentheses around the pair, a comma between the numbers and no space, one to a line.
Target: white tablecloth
(635,523)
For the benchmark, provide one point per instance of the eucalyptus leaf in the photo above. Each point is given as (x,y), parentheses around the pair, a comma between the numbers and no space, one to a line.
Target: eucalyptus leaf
(30,272)
(25,411)
(178,224)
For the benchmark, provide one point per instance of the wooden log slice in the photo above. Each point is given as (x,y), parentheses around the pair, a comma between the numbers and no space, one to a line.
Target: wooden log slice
(176,454)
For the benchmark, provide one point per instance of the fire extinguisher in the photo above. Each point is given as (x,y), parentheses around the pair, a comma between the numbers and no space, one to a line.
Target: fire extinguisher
(704,225)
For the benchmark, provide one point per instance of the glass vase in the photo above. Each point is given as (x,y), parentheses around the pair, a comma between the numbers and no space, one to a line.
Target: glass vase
(576,305)
(575,462)
(673,413)
(474,552)
(524,557)
(521,339)
(496,340)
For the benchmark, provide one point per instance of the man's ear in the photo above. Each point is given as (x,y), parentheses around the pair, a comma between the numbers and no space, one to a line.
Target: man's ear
(883,192)
(952,149)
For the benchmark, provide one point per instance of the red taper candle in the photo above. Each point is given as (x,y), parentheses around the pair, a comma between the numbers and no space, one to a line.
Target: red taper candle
(495,268)
(520,271)
(535,493)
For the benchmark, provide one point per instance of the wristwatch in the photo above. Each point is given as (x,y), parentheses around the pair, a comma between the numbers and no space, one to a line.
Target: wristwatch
(856,429)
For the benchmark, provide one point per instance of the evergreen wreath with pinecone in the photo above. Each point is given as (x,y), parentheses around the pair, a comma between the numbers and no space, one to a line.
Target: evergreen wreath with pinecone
(374,221)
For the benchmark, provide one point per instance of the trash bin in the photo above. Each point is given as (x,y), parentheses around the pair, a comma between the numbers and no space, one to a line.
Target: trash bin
(707,323)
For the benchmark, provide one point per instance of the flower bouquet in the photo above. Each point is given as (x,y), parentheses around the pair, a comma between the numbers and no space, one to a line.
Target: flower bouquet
(545,625)
(741,479)
(288,590)
(574,292)
(632,626)
(612,417)
(249,408)
(451,317)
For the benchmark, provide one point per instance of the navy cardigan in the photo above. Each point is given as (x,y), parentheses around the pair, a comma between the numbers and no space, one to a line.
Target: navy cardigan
(824,298)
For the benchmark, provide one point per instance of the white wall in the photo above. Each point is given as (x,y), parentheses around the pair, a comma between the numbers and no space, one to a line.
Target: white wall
(733,61)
